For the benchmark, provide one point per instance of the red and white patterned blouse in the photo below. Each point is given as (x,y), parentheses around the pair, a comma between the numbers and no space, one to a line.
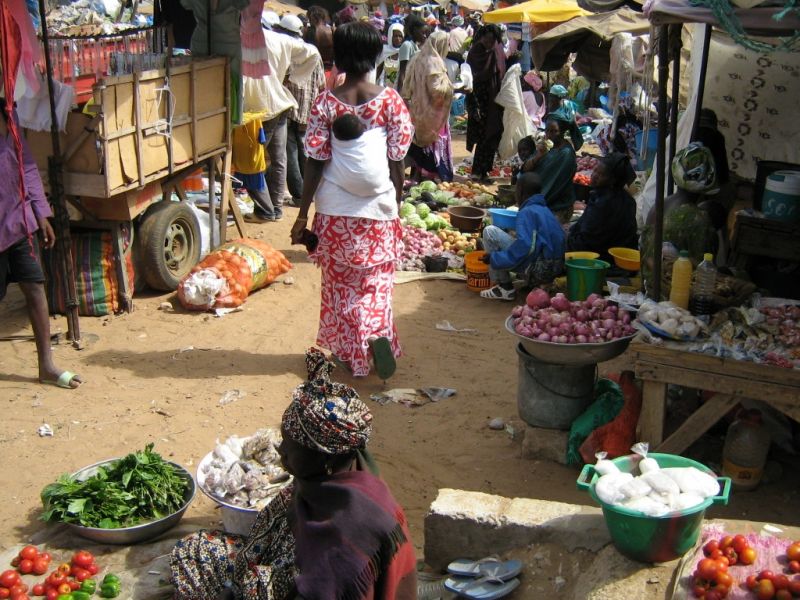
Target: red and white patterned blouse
(387,110)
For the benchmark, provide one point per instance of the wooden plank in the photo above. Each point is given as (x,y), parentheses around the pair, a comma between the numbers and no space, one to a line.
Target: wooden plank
(78,141)
(654,407)
(125,285)
(212,201)
(226,199)
(698,423)
(137,119)
(724,383)
(193,104)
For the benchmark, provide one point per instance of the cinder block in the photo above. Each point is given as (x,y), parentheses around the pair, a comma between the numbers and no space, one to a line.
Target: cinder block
(463,524)
(545,444)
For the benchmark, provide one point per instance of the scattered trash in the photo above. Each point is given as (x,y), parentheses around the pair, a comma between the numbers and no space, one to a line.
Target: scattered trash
(231,396)
(186,349)
(771,530)
(45,431)
(142,336)
(221,312)
(413,397)
(559,581)
(654,580)
(154,572)
(447,326)
(511,431)
(288,281)
(497,424)
(165,306)
(162,412)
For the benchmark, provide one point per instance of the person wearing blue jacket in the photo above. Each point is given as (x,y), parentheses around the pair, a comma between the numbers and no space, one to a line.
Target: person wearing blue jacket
(537,250)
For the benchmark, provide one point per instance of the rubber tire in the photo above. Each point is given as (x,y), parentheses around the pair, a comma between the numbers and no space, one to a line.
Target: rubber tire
(168,244)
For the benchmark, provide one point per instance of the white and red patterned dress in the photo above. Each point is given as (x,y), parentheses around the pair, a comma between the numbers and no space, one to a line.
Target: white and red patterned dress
(356,254)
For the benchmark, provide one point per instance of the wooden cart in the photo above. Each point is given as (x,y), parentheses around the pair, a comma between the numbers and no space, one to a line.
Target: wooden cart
(132,147)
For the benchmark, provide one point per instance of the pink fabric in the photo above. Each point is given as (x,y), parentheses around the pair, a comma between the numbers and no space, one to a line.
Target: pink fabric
(254,47)
(533,80)
(535,111)
(357,259)
(30,49)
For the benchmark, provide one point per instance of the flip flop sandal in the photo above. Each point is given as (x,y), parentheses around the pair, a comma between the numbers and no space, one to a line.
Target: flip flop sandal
(485,588)
(383,357)
(499,293)
(63,381)
(486,567)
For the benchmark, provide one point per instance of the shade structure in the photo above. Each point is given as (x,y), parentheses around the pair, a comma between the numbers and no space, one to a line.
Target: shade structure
(481,5)
(537,11)
(590,37)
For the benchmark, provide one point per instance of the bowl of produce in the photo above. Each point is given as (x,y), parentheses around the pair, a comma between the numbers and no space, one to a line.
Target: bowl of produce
(557,331)
(639,535)
(121,500)
(466,218)
(243,475)
(581,254)
(626,258)
(506,194)
(504,218)
(668,321)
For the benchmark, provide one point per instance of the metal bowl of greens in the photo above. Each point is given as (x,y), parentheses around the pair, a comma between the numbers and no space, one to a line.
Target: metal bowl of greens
(121,500)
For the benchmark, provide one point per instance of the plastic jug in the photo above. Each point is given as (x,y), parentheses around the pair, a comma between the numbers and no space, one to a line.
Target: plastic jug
(681,281)
(745,451)
(705,280)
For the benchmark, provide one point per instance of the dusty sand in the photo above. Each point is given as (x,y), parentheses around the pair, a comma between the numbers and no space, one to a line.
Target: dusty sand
(157,375)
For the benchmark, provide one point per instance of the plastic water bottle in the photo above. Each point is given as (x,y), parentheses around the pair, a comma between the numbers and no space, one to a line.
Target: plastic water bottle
(745,452)
(681,280)
(704,283)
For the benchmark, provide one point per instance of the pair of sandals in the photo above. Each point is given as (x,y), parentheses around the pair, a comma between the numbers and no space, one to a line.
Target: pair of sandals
(499,293)
(485,579)
(382,358)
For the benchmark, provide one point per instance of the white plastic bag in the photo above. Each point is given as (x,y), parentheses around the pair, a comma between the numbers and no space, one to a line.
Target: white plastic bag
(685,501)
(603,466)
(693,481)
(635,488)
(608,486)
(201,288)
(647,505)
(646,464)
(661,483)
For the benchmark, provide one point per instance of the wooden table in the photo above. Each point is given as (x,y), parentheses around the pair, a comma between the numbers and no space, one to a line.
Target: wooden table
(733,380)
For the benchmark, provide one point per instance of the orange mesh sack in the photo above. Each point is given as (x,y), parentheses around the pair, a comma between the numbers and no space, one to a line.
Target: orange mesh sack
(225,278)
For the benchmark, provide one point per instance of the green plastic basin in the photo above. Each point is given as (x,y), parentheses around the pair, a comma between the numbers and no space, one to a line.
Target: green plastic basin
(653,539)
(585,276)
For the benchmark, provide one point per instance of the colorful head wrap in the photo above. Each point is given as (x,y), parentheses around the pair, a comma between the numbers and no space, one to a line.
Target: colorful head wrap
(457,21)
(694,170)
(346,15)
(326,416)
(559,91)
(566,122)
(532,79)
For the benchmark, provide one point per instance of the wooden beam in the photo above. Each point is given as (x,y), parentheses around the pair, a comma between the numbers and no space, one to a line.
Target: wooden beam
(698,423)
(90,128)
(137,119)
(654,407)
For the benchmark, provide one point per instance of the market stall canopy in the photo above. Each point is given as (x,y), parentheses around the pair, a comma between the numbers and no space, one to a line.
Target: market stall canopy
(481,5)
(590,37)
(759,20)
(282,8)
(537,11)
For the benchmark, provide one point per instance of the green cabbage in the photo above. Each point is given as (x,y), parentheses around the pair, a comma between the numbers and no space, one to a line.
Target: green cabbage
(407,209)
(423,210)
(428,186)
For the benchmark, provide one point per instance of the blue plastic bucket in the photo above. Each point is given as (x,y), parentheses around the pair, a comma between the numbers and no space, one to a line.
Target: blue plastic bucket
(459,105)
(781,199)
(652,146)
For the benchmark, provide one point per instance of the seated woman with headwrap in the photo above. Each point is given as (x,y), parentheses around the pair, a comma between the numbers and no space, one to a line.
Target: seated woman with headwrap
(336,532)
(561,102)
(557,166)
(609,220)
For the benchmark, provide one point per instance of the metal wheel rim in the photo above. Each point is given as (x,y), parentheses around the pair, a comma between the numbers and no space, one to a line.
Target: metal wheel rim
(178,245)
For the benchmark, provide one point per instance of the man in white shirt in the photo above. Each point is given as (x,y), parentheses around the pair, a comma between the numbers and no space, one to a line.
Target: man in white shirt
(458,35)
(270,96)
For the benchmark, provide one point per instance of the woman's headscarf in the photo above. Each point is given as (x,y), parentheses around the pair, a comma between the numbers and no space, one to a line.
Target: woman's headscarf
(619,169)
(457,21)
(534,80)
(427,89)
(694,170)
(559,91)
(324,415)
(568,125)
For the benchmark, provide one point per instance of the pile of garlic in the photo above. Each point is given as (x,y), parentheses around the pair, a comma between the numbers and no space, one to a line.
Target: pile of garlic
(655,492)
(246,472)
(674,321)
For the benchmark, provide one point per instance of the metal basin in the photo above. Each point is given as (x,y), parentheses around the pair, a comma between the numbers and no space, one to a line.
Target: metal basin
(135,533)
(571,354)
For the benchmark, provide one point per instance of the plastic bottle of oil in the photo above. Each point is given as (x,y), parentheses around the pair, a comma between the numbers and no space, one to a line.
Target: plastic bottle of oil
(705,280)
(681,281)
(745,451)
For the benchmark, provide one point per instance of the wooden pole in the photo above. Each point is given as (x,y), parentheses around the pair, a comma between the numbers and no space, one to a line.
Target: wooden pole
(61,214)
(658,234)
(675,47)
(701,85)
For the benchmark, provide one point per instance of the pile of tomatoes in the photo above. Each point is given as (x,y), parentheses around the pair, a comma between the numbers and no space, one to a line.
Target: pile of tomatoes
(768,585)
(711,579)
(65,579)
(734,548)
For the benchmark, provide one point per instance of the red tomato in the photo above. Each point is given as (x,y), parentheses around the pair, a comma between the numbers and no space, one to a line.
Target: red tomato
(5,592)
(73,585)
(18,589)
(710,547)
(22,596)
(81,574)
(15,561)
(725,542)
(781,582)
(765,590)
(52,594)
(783,595)
(40,566)
(64,588)
(93,569)
(25,566)
(725,579)
(56,579)
(794,587)
(698,591)
(9,578)
(731,555)
(716,553)
(739,543)
(64,569)
(82,558)
(46,556)
(751,582)
(29,552)
(793,551)
(713,595)
(747,556)
(708,569)
(38,589)
(766,574)
(723,560)
(794,566)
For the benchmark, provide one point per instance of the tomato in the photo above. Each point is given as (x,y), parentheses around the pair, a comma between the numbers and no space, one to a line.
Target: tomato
(52,594)
(5,592)
(64,569)
(713,595)
(81,574)
(18,589)
(751,582)
(747,556)
(15,561)
(93,569)
(29,552)
(793,551)
(725,579)
(82,558)
(794,566)
(731,555)
(781,582)
(64,588)
(698,591)
(765,590)
(783,595)
(716,553)
(56,579)
(40,566)
(710,547)
(723,560)
(73,585)
(22,596)
(707,569)
(725,542)
(25,566)
(38,589)
(794,587)
(766,574)
(9,578)
(46,556)
(739,543)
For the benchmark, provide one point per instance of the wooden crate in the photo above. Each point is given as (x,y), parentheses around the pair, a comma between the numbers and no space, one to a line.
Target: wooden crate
(121,149)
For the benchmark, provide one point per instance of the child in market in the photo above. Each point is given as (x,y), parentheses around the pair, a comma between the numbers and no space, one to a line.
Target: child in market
(537,250)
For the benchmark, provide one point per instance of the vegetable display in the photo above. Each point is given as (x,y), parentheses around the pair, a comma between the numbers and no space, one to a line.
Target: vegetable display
(557,320)
(69,581)
(417,243)
(421,217)
(458,243)
(676,323)
(140,487)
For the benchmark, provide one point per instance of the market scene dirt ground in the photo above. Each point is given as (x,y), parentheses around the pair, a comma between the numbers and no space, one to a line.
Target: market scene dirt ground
(157,374)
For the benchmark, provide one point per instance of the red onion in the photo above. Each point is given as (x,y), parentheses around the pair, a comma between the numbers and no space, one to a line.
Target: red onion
(582,330)
(564,328)
(543,337)
(612,308)
(592,297)
(538,298)
(606,314)
(560,302)
(581,315)
(609,323)
(562,339)
(626,318)
(581,339)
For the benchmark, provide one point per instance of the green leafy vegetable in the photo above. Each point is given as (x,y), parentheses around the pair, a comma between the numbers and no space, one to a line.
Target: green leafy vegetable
(139,487)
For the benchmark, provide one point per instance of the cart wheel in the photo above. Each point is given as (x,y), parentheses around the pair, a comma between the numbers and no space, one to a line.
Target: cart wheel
(168,244)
